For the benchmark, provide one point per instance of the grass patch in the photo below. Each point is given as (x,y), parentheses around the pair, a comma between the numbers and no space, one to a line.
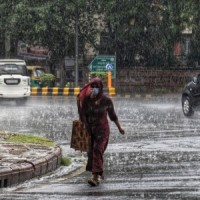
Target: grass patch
(65,161)
(20,138)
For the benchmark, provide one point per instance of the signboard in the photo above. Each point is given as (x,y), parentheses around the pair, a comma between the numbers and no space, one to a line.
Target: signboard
(32,52)
(104,63)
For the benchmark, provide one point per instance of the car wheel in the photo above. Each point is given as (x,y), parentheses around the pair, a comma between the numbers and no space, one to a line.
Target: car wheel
(187,106)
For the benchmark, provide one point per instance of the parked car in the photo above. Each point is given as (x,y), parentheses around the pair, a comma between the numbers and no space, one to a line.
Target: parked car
(191,96)
(14,80)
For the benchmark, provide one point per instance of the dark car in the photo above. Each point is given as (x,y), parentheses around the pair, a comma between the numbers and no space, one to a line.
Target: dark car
(191,96)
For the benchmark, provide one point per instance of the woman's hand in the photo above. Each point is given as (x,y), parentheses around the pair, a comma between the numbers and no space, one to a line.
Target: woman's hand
(121,130)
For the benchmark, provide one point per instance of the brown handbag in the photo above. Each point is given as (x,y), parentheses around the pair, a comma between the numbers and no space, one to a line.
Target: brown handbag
(79,137)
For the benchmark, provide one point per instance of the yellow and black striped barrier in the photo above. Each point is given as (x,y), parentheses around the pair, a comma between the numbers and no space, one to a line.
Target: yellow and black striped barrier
(111,91)
(56,91)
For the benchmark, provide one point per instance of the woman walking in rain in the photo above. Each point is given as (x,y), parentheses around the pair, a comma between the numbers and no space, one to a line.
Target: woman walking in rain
(93,107)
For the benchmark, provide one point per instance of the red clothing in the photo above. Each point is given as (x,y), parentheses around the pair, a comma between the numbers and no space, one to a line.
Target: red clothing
(97,124)
(93,112)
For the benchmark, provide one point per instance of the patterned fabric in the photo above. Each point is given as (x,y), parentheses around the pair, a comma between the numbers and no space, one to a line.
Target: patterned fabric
(93,112)
(79,138)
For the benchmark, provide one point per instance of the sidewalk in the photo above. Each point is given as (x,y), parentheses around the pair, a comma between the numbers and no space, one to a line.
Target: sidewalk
(21,162)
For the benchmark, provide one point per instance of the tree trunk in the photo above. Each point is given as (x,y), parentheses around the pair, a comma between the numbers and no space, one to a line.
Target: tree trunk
(7,45)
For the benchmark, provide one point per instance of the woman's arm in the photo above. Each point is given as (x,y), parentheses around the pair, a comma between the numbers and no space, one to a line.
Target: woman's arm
(121,130)
(113,117)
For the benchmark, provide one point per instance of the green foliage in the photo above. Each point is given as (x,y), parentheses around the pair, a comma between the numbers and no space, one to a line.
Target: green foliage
(144,32)
(138,31)
(20,138)
(102,75)
(50,24)
(47,79)
(65,161)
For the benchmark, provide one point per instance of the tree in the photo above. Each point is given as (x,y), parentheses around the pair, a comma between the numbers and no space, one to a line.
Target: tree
(194,24)
(50,24)
(7,24)
(144,31)
(140,32)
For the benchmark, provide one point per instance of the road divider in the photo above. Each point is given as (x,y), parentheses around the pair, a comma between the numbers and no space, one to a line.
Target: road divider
(56,91)
(18,172)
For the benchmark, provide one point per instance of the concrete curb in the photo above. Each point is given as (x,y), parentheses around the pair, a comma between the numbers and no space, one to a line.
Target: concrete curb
(56,91)
(28,169)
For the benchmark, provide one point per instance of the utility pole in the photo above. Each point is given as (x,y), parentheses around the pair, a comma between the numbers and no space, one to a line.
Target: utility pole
(76,49)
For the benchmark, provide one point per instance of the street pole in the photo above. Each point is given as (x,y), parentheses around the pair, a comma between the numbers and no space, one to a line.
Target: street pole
(76,49)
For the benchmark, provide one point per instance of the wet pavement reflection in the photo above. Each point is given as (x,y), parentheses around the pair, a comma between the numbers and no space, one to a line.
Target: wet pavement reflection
(158,158)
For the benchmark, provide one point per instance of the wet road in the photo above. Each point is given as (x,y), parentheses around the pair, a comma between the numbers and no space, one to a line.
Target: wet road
(158,158)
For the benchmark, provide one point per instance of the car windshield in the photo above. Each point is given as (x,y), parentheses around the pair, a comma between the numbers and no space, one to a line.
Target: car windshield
(39,72)
(12,69)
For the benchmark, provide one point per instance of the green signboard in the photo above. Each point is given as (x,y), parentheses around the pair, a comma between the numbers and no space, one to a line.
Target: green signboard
(103,63)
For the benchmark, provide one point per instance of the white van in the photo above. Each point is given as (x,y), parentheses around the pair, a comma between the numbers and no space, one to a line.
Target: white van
(14,80)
